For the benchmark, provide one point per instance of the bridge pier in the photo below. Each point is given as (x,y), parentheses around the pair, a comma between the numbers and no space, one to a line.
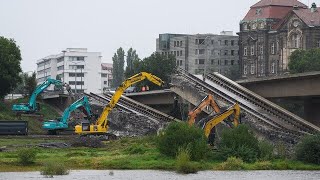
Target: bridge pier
(312,110)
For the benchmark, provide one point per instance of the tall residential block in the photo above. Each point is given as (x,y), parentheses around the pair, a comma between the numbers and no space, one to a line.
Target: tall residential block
(81,69)
(202,53)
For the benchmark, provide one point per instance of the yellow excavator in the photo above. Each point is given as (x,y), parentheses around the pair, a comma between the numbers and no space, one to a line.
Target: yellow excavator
(217,118)
(101,125)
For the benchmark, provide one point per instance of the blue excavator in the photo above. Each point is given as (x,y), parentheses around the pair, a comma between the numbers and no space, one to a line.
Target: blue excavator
(61,123)
(31,107)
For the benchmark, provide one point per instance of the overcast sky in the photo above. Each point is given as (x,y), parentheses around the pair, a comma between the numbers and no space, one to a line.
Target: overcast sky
(45,27)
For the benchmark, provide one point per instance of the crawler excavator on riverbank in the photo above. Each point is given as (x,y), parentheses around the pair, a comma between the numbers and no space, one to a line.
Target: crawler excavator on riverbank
(101,125)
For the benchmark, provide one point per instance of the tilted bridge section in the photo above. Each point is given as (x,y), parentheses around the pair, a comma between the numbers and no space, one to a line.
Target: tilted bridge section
(265,116)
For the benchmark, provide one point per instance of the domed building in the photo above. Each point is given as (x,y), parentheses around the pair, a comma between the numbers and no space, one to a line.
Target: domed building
(271,31)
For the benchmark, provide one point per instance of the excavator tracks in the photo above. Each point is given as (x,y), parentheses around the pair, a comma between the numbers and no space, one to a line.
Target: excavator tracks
(263,111)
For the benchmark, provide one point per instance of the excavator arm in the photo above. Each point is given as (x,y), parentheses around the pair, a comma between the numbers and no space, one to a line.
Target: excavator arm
(233,110)
(53,125)
(208,100)
(101,125)
(31,106)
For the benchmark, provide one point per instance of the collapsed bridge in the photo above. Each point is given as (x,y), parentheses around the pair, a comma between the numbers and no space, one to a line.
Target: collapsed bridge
(264,116)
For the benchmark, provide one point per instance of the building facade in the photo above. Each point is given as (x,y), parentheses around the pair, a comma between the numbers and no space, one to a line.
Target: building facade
(106,75)
(271,31)
(81,69)
(201,53)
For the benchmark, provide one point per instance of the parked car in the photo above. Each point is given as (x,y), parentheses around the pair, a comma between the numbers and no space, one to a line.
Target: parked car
(131,90)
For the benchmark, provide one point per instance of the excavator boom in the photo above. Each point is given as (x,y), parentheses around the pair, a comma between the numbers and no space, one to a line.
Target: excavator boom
(101,125)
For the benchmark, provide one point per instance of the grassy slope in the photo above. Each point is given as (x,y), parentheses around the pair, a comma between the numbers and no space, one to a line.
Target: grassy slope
(128,153)
(35,123)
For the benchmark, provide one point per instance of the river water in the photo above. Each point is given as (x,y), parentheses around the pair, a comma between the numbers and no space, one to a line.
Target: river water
(157,175)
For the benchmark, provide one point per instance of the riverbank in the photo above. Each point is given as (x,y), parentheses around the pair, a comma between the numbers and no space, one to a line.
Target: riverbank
(126,153)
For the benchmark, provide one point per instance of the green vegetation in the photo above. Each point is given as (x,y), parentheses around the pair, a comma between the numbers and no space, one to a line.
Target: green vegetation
(54,168)
(232,163)
(183,164)
(304,61)
(26,156)
(180,135)
(10,59)
(308,150)
(35,123)
(118,68)
(239,142)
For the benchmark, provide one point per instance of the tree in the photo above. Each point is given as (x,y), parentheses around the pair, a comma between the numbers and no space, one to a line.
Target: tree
(118,68)
(132,58)
(304,61)
(31,83)
(10,59)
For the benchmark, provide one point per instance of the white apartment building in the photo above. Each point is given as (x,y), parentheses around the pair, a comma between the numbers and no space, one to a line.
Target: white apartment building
(106,75)
(76,66)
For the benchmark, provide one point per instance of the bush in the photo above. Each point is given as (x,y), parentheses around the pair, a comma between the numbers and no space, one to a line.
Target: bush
(54,168)
(183,164)
(181,135)
(308,150)
(266,150)
(262,165)
(239,142)
(87,141)
(232,163)
(281,151)
(26,156)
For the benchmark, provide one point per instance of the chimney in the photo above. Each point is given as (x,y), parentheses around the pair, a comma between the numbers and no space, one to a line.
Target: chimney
(313,7)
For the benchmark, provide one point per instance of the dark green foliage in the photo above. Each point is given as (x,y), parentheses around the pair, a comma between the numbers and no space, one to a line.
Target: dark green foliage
(31,83)
(239,142)
(10,59)
(308,150)
(54,168)
(157,64)
(305,61)
(132,58)
(87,141)
(183,164)
(266,150)
(118,68)
(136,149)
(181,135)
(26,156)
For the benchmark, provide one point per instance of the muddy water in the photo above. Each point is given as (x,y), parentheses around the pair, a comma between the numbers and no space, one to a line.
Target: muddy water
(157,175)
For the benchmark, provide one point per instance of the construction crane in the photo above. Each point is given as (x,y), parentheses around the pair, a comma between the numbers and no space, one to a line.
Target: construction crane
(101,125)
(207,101)
(32,107)
(62,123)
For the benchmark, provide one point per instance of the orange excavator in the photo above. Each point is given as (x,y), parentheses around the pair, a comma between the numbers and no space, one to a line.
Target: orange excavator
(219,116)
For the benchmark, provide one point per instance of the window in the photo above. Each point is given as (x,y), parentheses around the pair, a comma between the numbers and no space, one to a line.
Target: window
(174,43)
(212,41)
(76,66)
(196,51)
(252,50)
(162,53)
(295,41)
(105,82)
(245,51)
(102,75)
(81,75)
(272,67)
(201,61)
(261,50)
(199,41)
(220,42)
(60,67)
(180,62)
(245,26)
(212,61)
(76,58)
(74,82)
(180,52)
(245,69)
(201,51)
(60,59)
(232,42)
(226,42)
(225,52)
(219,62)
(175,53)
(272,48)
(225,62)
(261,69)
(232,52)
(232,62)
(252,69)
(196,61)
(180,43)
